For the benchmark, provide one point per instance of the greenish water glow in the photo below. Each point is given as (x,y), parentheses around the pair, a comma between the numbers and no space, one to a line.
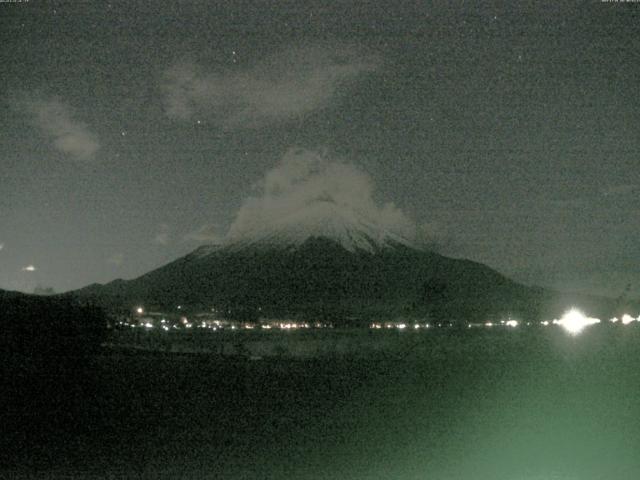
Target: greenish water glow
(516,404)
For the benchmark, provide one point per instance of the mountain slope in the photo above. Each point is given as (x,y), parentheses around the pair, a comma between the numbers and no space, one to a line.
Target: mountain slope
(326,262)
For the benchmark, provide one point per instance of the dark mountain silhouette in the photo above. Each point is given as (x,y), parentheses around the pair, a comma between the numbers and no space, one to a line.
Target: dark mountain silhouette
(321,279)
(38,327)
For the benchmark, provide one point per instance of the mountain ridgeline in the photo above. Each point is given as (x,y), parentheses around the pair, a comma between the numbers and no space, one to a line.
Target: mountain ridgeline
(322,278)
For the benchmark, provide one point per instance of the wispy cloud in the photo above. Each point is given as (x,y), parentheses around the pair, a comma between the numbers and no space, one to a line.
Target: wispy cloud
(621,192)
(56,120)
(435,237)
(207,233)
(618,190)
(1,246)
(282,87)
(116,259)
(163,236)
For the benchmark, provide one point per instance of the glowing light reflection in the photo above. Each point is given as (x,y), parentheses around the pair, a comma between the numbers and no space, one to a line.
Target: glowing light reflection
(574,321)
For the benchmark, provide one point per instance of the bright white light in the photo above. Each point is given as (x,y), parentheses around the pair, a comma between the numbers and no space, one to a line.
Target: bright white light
(402,326)
(614,320)
(511,323)
(29,268)
(627,319)
(488,324)
(140,310)
(574,321)
(545,323)
(148,325)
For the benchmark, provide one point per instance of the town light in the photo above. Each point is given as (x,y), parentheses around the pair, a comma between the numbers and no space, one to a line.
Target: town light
(627,319)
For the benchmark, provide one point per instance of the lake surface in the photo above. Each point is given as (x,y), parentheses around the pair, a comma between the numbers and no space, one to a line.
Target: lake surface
(510,404)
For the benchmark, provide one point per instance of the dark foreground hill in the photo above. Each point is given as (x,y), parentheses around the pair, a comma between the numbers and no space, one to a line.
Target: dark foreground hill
(47,347)
(39,327)
(320,278)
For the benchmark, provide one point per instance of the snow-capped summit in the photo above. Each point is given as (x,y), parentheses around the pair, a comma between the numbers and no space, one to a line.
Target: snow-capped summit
(325,219)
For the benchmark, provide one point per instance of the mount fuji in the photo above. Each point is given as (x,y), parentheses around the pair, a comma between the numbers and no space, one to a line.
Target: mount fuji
(331,263)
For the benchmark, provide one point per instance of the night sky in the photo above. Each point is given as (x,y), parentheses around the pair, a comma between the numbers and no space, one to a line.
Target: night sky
(133,132)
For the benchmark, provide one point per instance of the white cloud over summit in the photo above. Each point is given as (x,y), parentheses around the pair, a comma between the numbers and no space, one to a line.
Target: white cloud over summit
(301,180)
(281,87)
